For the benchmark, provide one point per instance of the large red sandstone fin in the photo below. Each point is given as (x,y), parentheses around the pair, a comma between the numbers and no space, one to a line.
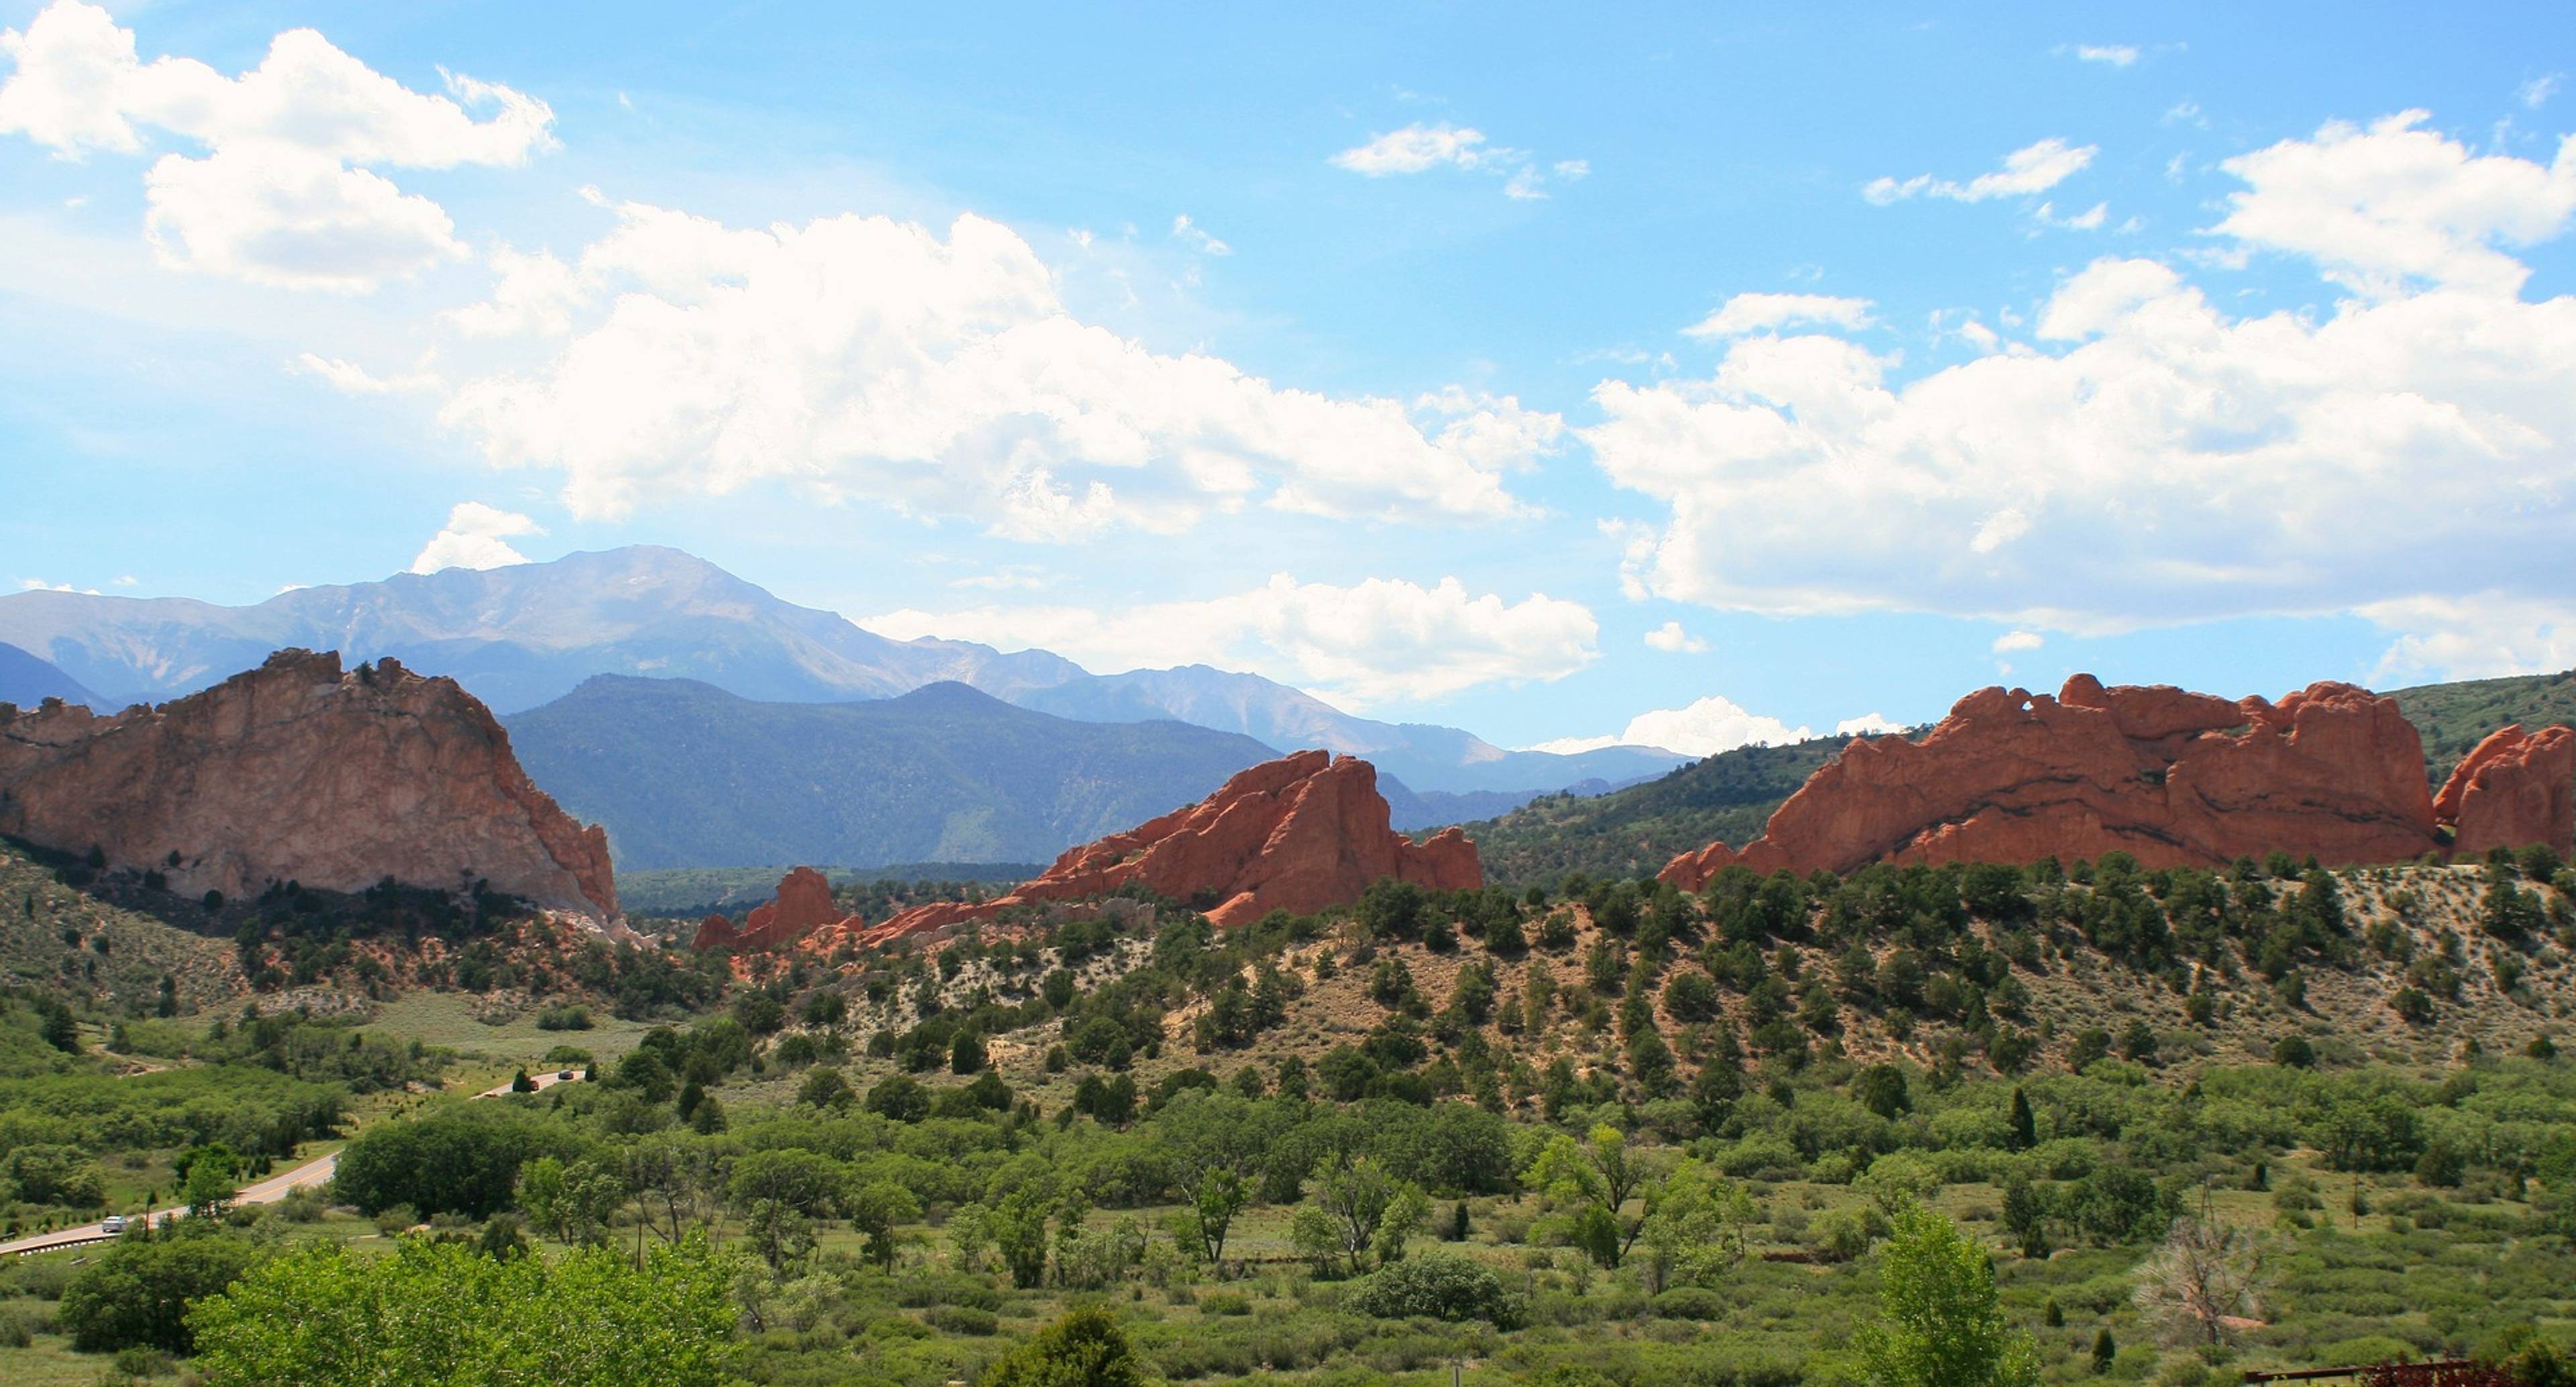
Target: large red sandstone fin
(2171,777)
(802,905)
(2512,790)
(296,771)
(1299,834)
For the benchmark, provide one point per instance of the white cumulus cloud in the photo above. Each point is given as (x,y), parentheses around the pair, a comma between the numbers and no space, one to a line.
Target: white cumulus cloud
(870,359)
(1670,636)
(286,192)
(1373,642)
(2475,636)
(1420,148)
(2033,168)
(1750,313)
(2011,641)
(476,536)
(2110,54)
(2152,458)
(2395,206)
(1704,728)
(350,378)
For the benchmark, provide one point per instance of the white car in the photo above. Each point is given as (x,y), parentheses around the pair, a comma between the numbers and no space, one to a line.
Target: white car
(113,1223)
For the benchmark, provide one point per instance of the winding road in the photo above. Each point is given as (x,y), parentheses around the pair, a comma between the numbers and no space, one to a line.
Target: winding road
(276,1187)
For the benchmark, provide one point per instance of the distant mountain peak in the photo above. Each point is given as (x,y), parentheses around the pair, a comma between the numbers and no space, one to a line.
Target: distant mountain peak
(526,634)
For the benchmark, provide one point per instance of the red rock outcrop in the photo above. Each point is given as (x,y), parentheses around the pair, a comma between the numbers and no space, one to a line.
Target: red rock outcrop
(804,904)
(296,771)
(1298,834)
(2514,789)
(2172,778)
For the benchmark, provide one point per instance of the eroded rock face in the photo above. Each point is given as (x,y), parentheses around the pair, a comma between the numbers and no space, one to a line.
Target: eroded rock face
(296,771)
(1298,834)
(2512,790)
(2172,778)
(803,904)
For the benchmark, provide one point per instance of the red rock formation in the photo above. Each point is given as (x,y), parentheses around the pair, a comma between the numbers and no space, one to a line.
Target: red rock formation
(298,772)
(1297,834)
(2172,778)
(804,904)
(2514,789)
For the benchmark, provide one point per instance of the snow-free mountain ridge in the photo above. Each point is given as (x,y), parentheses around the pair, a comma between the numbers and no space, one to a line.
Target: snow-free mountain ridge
(527,634)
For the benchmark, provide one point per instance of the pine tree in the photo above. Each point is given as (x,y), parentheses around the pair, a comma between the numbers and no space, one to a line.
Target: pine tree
(2025,1123)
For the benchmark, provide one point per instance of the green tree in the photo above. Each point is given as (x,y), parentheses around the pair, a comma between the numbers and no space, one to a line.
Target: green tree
(1881,1089)
(53,1174)
(2025,1123)
(1696,1225)
(1439,1285)
(779,1193)
(137,1295)
(824,1087)
(57,1026)
(441,1313)
(1019,1229)
(1597,1176)
(1371,1211)
(570,1203)
(901,1097)
(875,1210)
(1084,1349)
(208,1176)
(759,1012)
(1940,1322)
(443,1163)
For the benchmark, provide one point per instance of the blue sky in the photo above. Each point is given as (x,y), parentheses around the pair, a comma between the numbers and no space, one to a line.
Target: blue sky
(1435,358)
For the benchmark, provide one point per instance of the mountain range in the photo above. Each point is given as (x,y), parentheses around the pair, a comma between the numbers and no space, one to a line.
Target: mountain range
(527,634)
(684,774)
(28,680)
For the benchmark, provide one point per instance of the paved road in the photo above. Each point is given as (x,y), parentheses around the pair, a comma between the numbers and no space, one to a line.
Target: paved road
(543,1082)
(268,1191)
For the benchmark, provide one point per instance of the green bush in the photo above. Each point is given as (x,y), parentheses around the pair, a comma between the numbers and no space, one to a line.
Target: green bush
(1691,1303)
(963,1319)
(20,1324)
(144,1362)
(139,1294)
(443,1163)
(1084,1349)
(1440,1285)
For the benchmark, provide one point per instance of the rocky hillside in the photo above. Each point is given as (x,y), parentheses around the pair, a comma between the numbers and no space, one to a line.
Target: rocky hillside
(1635,831)
(299,772)
(2456,717)
(83,946)
(1648,996)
